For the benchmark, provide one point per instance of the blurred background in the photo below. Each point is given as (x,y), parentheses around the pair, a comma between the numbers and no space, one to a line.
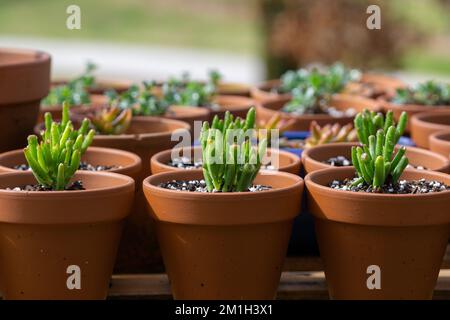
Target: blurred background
(247,40)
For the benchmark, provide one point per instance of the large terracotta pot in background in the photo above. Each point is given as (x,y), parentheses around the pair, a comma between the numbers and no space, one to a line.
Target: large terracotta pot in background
(139,252)
(302,122)
(42,234)
(287,161)
(24,81)
(440,143)
(411,110)
(224,245)
(379,85)
(404,235)
(313,158)
(127,163)
(423,125)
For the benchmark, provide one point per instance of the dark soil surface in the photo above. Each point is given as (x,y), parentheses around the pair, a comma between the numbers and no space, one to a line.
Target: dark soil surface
(75,186)
(401,187)
(339,161)
(83,166)
(200,186)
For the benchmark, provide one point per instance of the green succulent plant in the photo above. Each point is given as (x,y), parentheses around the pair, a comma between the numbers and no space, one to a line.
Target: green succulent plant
(429,93)
(311,90)
(142,101)
(331,80)
(56,158)
(375,161)
(187,92)
(75,92)
(230,161)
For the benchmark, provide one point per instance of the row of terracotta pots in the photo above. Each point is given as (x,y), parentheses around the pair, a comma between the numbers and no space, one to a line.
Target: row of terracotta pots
(211,241)
(271,100)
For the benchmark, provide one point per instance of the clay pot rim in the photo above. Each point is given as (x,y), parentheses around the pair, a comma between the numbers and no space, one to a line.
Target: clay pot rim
(156,158)
(150,185)
(422,108)
(442,136)
(36,57)
(350,195)
(377,107)
(306,155)
(423,119)
(134,166)
(126,184)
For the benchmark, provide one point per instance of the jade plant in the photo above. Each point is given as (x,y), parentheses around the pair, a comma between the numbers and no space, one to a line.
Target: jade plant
(376,161)
(141,100)
(56,158)
(429,93)
(112,120)
(74,92)
(230,161)
(329,134)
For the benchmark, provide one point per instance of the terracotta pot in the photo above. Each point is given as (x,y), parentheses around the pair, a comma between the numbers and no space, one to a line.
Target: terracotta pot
(43,233)
(411,110)
(404,235)
(381,85)
(97,101)
(138,251)
(423,125)
(224,245)
(233,89)
(266,92)
(102,85)
(287,161)
(302,123)
(128,163)
(24,81)
(440,143)
(313,158)
(384,85)
(237,105)
(190,115)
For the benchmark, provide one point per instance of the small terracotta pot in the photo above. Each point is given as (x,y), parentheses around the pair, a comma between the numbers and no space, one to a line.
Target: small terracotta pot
(97,101)
(287,161)
(404,235)
(102,85)
(44,233)
(233,89)
(24,81)
(411,110)
(440,143)
(313,158)
(238,106)
(138,251)
(384,85)
(265,111)
(190,115)
(129,163)
(423,125)
(224,245)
